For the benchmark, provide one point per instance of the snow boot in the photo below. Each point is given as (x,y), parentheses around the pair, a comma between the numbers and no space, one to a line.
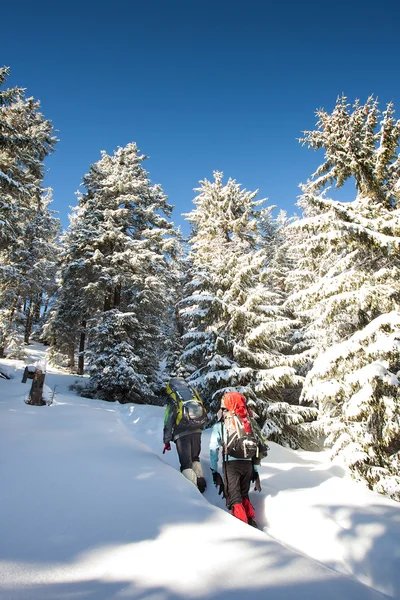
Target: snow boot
(248,507)
(201,482)
(239,512)
(191,475)
(252,522)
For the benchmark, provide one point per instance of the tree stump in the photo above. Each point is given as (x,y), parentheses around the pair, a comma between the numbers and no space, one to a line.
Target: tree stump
(36,393)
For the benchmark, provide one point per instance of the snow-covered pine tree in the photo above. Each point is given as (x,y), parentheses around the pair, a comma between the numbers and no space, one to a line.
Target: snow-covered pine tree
(32,279)
(275,340)
(121,244)
(26,138)
(236,333)
(223,243)
(38,262)
(174,328)
(348,295)
(65,329)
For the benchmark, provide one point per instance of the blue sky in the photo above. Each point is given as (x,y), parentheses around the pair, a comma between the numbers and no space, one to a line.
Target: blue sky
(199,86)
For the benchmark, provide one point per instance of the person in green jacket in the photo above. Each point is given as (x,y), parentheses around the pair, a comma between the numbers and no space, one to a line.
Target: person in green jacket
(184,420)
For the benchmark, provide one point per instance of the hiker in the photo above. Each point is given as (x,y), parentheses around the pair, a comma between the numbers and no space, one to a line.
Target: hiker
(242,450)
(185,417)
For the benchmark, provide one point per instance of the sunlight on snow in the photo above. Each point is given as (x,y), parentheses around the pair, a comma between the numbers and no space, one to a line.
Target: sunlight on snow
(151,563)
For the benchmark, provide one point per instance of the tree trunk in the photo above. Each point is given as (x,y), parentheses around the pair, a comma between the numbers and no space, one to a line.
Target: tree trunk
(28,324)
(46,305)
(117,295)
(81,356)
(179,324)
(36,308)
(107,303)
(13,307)
(71,357)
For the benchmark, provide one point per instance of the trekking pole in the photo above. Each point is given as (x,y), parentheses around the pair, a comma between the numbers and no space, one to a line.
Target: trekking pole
(52,396)
(224,460)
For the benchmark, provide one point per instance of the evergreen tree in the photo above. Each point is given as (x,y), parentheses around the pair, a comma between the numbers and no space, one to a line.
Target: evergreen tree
(358,145)
(236,334)
(27,227)
(30,278)
(355,383)
(174,327)
(26,138)
(119,251)
(65,329)
(224,234)
(348,291)
(277,342)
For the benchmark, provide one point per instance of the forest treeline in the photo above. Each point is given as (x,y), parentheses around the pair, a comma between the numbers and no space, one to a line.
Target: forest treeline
(300,314)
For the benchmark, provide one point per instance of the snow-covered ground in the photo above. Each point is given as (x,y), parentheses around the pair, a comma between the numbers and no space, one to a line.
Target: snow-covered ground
(90,509)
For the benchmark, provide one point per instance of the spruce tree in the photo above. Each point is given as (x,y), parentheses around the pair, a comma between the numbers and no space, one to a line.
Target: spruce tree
(26,138)
(119,251)
(27,227)
(348,296)
(65,329)
(236,334)
(224,233)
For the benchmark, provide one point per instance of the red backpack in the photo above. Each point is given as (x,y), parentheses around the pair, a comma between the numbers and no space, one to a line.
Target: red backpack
(241,441)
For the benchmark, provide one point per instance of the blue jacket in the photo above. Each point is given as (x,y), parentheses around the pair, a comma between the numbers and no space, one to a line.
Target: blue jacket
(216,442)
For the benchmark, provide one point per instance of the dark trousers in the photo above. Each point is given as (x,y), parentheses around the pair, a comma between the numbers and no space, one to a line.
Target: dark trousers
(237,479)
(188,447)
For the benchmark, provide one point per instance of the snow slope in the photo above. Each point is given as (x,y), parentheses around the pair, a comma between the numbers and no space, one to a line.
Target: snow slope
(91,509)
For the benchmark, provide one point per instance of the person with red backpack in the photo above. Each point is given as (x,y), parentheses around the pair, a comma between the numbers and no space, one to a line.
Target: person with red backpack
(242,450)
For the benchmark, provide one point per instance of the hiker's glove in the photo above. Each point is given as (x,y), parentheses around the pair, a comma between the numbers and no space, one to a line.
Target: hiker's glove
(166,447)
(219,484)
(257,486)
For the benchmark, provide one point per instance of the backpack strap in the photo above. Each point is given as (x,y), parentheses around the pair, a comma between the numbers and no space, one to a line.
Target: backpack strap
(224,448)
(224,458)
